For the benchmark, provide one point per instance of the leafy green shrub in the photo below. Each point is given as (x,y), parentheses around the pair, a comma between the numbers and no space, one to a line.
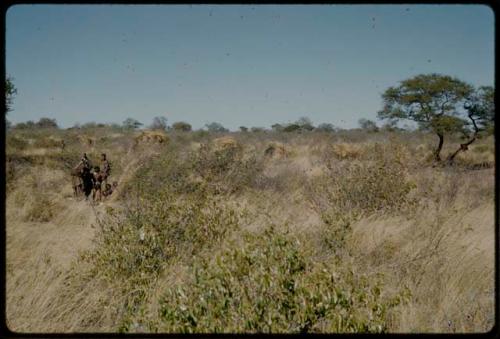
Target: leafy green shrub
(270,283)
(15,143)
(225,170)
(351,189)
(137,245)
(366,187)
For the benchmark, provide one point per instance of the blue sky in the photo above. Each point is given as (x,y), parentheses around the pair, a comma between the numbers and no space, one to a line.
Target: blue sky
(238,65)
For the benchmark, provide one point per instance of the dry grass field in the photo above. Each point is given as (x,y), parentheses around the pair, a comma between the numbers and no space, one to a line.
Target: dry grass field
(250,232)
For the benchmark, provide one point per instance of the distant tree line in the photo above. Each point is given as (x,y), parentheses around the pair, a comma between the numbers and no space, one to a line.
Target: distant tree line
(440,104)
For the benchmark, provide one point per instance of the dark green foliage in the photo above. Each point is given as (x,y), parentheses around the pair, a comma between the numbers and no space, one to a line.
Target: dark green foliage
(291,128)
(277,127)
(215,127)
(25,125)
(130,123)
(47,123)
(159,123)
(368,125)
(181,126)
(257,129)
(10,92)
(225,170)
(434,101)
(325,127)
(270,283)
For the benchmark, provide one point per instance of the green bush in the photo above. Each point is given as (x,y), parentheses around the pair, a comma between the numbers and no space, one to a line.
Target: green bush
(136,246)
(14,143)
(225,170)
(382,183)
(350,190)
(270,283)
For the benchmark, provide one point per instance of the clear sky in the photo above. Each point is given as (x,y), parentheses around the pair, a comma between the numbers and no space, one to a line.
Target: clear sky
(251,65)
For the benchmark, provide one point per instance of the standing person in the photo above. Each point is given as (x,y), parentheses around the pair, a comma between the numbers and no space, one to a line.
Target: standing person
(85,161)
(98,178)
(87,182)
(78,172)
(106,169)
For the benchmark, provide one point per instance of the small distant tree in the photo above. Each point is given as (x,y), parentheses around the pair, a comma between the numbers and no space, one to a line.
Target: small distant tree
(181,126)
(391,126)
(291,128)
(159,123)
(277,127)
(10,92)
(89,125)
(257,129)
(434,101)
(215,127)
(243,129)
(368,125)
(130,123)
(47,123)
(25,125)
(305,124)
(325,127)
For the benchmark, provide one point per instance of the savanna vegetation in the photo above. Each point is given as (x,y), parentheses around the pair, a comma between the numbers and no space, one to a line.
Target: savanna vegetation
(294,229)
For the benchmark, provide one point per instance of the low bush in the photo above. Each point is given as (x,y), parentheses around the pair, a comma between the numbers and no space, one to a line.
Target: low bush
(270,283)
(226,170)
(136,245)
(351,190)
(133,246)
(14,143)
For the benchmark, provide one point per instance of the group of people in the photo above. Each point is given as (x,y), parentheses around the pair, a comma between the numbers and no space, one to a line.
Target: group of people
(94,179)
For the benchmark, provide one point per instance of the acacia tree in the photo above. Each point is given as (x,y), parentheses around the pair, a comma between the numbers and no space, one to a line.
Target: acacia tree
(10,91)
(131,123)
(368,125)
(434,101)
(216,127)
(181,126)
(159,123)
(47,123)
(480,111)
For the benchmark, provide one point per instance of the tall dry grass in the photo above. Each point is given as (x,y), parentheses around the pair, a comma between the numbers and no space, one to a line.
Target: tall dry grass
(348,205)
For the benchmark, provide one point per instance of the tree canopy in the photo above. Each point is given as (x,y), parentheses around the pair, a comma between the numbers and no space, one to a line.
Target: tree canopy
(10,92)
(438,103)
(216,127)
(159,123)
(181,126)
(130,123)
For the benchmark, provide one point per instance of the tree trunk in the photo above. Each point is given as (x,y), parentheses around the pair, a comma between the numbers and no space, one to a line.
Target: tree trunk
(464,147)
(437,154)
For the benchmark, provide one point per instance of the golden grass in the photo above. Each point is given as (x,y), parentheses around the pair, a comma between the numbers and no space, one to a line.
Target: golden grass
(442,248)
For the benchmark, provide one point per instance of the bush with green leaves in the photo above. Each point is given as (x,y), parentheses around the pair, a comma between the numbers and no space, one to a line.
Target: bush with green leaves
(381,183)
(137,244)
(15,143)
(351,190)
(226,170)
(133,246)
(270,283)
